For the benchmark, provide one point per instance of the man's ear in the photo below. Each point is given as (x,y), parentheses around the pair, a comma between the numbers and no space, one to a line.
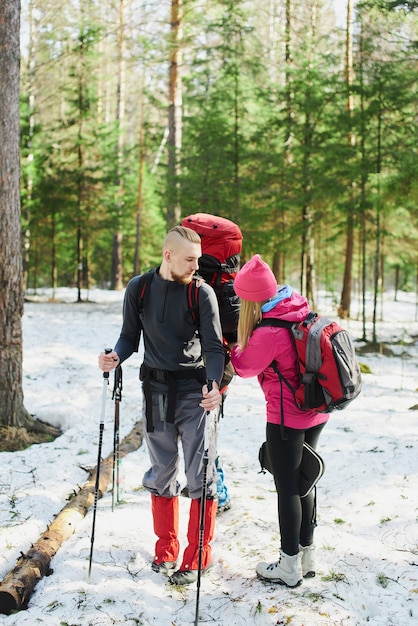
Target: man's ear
(167,255)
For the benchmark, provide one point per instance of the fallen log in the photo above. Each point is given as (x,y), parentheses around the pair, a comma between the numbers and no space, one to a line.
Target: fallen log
(18,585)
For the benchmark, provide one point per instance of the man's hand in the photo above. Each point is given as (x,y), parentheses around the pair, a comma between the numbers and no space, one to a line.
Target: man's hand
(108,362)
(211,399)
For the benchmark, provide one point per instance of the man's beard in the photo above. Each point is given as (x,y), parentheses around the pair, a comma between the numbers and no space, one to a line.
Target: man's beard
(185,279)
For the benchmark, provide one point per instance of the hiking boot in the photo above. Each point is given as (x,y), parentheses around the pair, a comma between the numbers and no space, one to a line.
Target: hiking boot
(223,507)
(183,577)
(166,567)
(286,571)
(187,576)
(308,561)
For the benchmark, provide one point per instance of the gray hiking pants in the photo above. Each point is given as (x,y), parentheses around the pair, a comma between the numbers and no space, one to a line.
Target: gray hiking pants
(163,447)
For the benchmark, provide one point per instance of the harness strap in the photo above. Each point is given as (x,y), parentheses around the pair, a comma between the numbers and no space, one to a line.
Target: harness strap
(146,387)
(165,376)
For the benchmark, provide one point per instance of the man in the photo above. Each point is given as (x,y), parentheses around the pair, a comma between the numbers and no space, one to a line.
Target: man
(179,359)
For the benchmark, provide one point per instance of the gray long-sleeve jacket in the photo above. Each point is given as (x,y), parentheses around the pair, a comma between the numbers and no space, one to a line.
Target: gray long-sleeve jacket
(172,342)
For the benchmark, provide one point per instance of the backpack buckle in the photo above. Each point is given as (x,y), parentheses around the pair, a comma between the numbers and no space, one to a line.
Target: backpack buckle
(161,376)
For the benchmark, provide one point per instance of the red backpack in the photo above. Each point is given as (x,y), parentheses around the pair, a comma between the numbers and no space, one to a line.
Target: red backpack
(221,242)
(221,247)
(330,375)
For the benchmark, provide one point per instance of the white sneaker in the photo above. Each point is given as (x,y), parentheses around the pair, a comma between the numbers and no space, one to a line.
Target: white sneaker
(286,571)
(308,561)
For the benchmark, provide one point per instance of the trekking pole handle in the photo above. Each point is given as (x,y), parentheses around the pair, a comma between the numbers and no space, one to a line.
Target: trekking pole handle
(107,351)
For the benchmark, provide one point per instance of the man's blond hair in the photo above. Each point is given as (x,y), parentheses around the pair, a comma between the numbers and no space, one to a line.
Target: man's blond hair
(177,233)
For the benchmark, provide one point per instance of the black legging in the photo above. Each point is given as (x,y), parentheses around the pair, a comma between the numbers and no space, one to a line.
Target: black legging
(296,514)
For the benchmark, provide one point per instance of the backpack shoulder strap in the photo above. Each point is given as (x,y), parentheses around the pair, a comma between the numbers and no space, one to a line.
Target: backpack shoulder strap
(313,344)
(193,298)
(143,286)
(192,293)
(272,321)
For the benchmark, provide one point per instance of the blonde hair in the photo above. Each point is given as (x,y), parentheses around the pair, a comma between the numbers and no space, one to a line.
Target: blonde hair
(249,316)
(173,236)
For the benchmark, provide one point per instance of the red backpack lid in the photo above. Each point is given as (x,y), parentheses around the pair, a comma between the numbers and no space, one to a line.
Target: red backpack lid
(220,236)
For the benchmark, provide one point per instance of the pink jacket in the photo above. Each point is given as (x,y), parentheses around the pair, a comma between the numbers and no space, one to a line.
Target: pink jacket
(270,343)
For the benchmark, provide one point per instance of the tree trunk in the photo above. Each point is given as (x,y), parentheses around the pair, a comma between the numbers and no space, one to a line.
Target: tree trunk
(80,194)
(18,585)
(363,182)
(345,302)
(416,290)
(54,269)
(174,115)
(117,273)
(12,411)
(26,209)
(308,241)
(140,191)
(397,268)
(279,218)
(236,140)
(378,233)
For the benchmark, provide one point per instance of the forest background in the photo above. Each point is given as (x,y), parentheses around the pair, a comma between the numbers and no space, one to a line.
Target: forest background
(297,120)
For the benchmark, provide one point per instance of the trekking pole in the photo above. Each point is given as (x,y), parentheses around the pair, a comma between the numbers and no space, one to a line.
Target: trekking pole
(99,457)
(117,397)
(206,442)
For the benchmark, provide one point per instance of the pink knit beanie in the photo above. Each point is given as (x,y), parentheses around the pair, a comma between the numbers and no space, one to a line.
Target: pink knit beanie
(255,281)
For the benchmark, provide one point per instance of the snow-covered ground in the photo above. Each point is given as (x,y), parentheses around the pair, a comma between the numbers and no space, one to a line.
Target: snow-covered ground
(367,535)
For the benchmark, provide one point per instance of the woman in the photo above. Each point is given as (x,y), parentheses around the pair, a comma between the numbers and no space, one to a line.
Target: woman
(261,298)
